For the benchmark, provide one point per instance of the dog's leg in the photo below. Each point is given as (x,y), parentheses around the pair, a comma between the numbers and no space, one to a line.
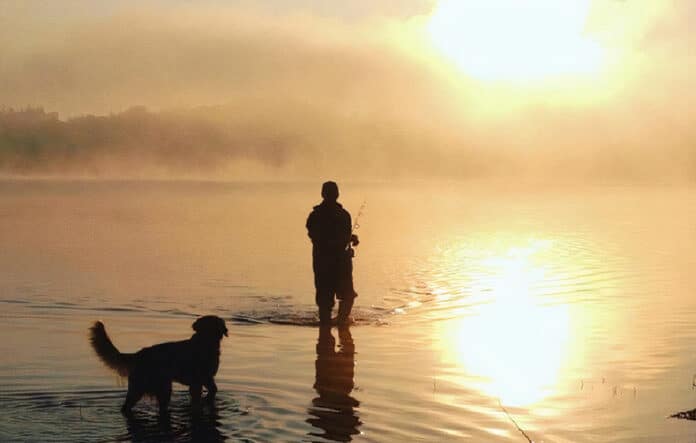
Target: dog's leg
(164,395)
(212,389)
(195,391)
(134,394)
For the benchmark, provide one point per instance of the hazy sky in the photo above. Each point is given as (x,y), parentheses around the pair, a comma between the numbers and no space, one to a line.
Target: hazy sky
(598,85)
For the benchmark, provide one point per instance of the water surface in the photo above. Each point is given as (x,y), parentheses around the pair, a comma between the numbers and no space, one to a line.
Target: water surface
(487,314)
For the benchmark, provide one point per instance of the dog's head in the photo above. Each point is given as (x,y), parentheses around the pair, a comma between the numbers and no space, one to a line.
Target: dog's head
(210,326)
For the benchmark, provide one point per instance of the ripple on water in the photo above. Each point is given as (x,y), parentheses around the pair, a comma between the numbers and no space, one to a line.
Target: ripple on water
(95,416)
(462,276)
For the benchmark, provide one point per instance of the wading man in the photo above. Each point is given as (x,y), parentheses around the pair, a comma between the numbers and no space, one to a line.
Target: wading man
(329,226)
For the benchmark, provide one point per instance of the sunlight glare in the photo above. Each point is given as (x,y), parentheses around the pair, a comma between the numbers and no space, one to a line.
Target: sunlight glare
(514,346)
(513,40)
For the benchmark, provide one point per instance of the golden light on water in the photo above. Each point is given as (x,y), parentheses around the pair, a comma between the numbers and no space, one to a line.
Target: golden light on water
(515,41)
(513,346)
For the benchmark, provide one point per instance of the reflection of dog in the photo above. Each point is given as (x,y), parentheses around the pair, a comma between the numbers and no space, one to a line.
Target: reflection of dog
(193,362)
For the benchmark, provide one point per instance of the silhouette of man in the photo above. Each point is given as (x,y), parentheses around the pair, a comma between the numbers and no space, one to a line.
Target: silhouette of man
(329,226)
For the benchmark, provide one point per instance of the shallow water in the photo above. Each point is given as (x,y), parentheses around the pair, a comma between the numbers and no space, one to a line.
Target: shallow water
(484,314)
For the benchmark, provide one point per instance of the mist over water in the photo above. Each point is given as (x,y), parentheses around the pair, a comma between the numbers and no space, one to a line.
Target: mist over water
(568,308)
(223,142)
(268,90)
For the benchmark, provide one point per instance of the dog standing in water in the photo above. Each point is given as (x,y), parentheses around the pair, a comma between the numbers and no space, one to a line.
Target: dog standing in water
(193,362)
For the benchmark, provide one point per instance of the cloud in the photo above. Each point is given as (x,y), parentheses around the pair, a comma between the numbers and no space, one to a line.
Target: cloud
(336,96)
(185,56)
(301,88)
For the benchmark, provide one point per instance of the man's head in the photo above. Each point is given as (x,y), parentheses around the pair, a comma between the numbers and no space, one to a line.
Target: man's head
(329,191)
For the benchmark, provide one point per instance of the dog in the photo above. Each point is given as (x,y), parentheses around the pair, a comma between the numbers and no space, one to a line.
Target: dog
(193,362)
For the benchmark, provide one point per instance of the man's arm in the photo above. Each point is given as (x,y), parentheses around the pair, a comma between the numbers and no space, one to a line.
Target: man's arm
(310,225)
(347,228)
(316,229)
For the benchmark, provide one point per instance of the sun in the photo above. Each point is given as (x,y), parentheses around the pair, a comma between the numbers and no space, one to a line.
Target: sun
(515,40)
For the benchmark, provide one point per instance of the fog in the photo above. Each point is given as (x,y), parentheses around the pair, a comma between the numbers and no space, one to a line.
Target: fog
(278,91)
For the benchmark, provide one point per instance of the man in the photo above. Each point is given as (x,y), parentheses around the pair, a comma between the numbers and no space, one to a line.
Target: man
(329,226)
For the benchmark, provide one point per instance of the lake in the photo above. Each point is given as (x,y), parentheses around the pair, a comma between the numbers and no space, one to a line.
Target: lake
(485,312)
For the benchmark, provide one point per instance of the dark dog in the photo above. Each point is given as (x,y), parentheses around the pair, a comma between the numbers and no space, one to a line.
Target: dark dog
(193,362)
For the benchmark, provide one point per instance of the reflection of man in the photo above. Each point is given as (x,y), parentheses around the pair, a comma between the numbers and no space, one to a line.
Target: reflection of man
(334,410)
(329,227)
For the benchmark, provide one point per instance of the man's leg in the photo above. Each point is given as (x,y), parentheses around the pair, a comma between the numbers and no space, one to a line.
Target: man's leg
(346,293)
(324,296)
(345,305)
(324,299)
(325,313)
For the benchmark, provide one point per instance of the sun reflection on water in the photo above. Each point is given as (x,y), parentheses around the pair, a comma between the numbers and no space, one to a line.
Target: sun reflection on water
(514,344)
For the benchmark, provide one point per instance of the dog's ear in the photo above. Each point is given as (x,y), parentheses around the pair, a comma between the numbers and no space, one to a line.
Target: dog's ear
(222,327)
(197,325)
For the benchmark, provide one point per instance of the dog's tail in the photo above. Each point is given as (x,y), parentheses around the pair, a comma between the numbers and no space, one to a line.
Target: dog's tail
(107,352)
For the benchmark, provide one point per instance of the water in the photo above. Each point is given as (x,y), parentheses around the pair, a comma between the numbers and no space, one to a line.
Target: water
(487,314)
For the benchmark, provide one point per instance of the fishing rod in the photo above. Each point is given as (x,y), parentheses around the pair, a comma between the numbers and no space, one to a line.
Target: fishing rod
(355,227)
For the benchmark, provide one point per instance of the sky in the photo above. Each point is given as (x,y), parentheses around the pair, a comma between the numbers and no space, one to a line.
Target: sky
(377,88)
